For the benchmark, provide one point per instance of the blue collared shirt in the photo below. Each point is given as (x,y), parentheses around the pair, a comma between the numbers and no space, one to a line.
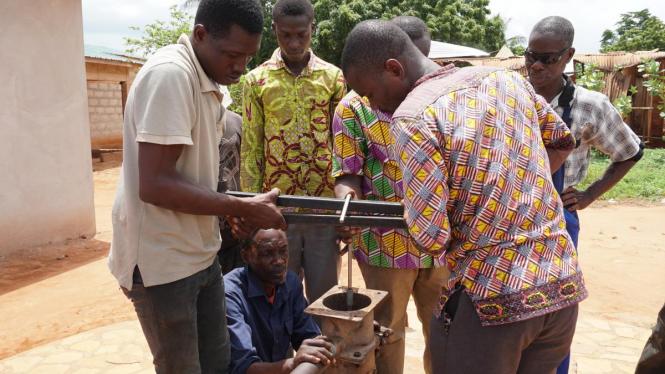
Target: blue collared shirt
(260,331)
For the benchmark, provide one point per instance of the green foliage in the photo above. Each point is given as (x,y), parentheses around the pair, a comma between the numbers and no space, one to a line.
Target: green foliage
(268,39)
(454,21)
(592,78)
(646,180)
(465,22)
(635,31)
(654,82)
(236,95)
(518,50)
(160,33)
(589,77)
(517,45)
(624,104)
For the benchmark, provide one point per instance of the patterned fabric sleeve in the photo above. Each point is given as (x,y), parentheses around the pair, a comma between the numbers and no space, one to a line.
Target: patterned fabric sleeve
(251,148)
(338,116)
(340,90)
(553,129)
(425,184)
(610,134)
(348,155)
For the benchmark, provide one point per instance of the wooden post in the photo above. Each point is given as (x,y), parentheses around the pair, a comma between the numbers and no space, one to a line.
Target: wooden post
(123,89)
(647,127)
(655,122)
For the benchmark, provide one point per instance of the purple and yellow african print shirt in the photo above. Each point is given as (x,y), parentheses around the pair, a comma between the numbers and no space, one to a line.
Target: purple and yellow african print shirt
(472,147)
(286,139)
(362,145)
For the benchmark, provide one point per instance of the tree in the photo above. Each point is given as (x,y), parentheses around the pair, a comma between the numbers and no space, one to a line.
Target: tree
(453,21)
(517,45)
(635,31)
(160,33)
(465,22)
(654,82)
(591,77)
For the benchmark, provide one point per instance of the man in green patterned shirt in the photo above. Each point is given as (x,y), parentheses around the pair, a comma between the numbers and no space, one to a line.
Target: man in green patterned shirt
(388,259)
(286,143)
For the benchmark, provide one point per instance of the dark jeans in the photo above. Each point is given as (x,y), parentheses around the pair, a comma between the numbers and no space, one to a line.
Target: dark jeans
(314,253)
(653,355)
(184,322)
(534,346)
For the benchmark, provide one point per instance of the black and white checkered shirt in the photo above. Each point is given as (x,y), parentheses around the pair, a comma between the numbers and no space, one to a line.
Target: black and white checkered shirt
(595,124)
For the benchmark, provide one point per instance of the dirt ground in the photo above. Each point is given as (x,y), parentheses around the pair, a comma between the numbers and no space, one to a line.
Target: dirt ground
(54,291)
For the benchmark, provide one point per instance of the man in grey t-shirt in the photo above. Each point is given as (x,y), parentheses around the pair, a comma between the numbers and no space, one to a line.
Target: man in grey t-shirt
(165,225)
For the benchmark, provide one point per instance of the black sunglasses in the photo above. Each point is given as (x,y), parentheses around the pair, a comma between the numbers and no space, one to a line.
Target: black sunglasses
(545,58)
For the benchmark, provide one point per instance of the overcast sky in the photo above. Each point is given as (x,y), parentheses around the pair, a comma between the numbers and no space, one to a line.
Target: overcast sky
(106,22)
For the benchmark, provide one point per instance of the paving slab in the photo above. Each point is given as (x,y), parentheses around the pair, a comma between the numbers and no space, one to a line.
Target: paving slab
(600,346)
(115,349)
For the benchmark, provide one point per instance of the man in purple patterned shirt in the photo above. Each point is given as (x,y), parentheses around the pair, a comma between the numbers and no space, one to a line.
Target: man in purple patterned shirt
(476,147)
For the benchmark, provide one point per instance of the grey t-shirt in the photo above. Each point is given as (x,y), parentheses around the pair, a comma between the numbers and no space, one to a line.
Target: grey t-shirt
(172,101)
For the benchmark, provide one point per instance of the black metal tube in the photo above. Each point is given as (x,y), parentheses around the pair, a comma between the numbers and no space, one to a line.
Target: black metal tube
(357,221)
(355,206)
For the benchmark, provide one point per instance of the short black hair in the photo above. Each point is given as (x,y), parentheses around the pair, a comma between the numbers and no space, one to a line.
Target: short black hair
(217,16)
(413,26)
(293,8)
(372,42)
(557,27)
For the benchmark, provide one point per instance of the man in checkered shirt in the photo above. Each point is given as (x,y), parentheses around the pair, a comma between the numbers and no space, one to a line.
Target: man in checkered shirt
(591,117)
(595,121)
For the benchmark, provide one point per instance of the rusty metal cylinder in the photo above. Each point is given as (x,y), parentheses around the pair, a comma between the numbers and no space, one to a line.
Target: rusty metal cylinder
(351,329)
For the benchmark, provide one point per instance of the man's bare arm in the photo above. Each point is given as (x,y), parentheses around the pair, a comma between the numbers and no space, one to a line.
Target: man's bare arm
(318,351)
(160,184)
(557,157)
(577,200)
(348,183)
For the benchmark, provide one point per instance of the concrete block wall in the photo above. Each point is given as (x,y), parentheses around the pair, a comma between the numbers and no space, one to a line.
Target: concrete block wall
(105,110)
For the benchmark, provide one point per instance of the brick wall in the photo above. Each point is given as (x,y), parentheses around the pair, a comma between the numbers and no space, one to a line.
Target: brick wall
(105,109)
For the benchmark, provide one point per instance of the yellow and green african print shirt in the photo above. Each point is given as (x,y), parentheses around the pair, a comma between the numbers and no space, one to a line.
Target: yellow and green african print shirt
(286,140)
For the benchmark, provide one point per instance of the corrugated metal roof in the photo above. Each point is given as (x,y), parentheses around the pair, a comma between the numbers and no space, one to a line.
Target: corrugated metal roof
(620,73)
(513,63)
(504,52)
(610,61)
(105,53)
(605,61)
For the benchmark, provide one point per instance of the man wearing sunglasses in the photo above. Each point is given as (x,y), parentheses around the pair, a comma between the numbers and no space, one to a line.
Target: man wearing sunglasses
(591,117)
(594,121)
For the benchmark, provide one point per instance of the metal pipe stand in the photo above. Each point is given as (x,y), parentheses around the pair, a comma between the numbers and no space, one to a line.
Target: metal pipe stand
(351,329)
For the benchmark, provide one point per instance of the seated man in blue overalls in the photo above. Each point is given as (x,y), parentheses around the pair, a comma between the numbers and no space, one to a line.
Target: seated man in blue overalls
(265,311)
